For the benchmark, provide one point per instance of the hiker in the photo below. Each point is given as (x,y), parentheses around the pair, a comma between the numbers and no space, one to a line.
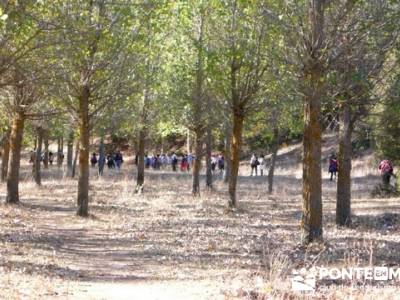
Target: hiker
(118,160)
(93,160)
(221,163)
(110,161)
(174,161)
(51,156)
(184,163)
(333,166)
(386,169)
(214,162)
(147,161)
(254,164)
(261,165)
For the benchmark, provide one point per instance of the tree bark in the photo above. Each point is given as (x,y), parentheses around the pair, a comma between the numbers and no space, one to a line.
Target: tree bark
(6,156)
(209,179)
(84,138)
(102,157)
(311,223)
(58,155)
(198,148)
(343,197)
(70,151)
(236,144)
(75,161)
(188,150)
(17,130)
(36,164)
(46,149)
(228,138)
(140,167)
(275,147)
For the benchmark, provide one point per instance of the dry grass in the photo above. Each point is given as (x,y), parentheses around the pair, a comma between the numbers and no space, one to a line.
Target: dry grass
(165,244)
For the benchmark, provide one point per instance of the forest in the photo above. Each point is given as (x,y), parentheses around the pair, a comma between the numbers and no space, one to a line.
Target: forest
(199,149)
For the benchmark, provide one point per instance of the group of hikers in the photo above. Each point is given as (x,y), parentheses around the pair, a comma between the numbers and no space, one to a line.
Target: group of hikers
(257,165)
(112,160)
(162,161)
(185,163)
(385,168)
(50,157)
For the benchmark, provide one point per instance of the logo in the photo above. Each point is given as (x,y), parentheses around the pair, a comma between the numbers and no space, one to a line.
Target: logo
(306,279)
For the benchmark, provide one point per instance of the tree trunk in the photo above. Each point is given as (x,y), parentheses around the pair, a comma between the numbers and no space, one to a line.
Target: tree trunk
(235,156)
(140,167)
(142,141)
(38,154)
(6,156)
(271,170)
(17,130)
(343,197)
(59,150)
(84,137)
(46,149)
(188,150)
(209,178)
(228,138)
(198,148)
(75,161)
(102,157)
(311,223)
(70,150)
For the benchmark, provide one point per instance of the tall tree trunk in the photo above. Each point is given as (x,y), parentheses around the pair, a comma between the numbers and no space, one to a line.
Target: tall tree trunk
(60,152)
(235,156)
(70,151)
(228,138)
(6,156)
(102,157)
(75,160)
(275,147)
(343,197)
(198,148)
(17,130)
(58,156)
(46,149)
(38,154)
(209,179)
(311,223)
(188,150)
(84,137)
(140,167)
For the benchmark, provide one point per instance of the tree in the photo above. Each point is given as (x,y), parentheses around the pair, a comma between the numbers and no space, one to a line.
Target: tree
(244,49)
(92,69)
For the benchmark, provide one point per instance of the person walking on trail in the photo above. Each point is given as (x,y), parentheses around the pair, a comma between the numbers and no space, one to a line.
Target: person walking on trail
(221,164)
(184,164)
(254,163)
(174,161)
(51,157)
(93,160)
(214,162)
(261,165)
(110,161)
(118,160)
(333,166)
(386,169)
